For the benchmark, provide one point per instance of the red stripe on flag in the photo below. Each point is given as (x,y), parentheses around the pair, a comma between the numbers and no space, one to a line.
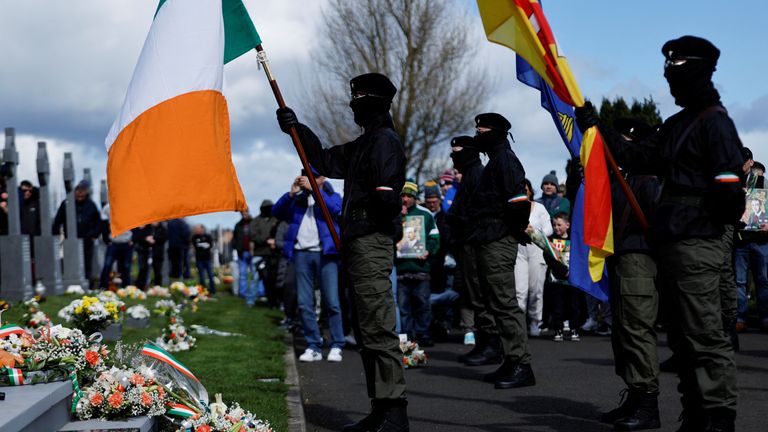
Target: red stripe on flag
(597,196)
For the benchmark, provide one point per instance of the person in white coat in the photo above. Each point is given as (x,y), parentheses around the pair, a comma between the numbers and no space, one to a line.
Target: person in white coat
(530,268)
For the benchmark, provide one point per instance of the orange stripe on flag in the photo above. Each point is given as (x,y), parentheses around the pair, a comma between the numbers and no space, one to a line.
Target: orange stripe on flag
(174,160)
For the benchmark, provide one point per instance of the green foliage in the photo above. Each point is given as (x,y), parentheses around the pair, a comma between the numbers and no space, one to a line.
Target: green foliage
(647,110)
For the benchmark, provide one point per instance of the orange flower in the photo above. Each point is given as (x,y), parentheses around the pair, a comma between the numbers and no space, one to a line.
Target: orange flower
(161,392)
(120,388)
(146,399)
(65,342)
(115,399)
(137,379)
(97,399)
(172,336)
(203,428)
(92,357)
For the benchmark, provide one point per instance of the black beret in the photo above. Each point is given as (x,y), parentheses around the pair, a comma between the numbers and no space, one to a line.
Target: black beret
(691,46)
(746,153)
(634,128)
(463,141)
(374,84)
(492,121)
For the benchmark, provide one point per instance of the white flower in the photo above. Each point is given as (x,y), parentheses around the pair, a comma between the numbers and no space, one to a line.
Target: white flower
(75,289)
(138,312)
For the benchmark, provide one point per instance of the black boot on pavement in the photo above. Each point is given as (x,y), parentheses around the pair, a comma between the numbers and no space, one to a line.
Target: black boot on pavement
(481,342)
(394,418)
(625,408)
(693,420)
(492,354)
(505,369)
(721,420)
(521,375)
(645,414)
(368,422)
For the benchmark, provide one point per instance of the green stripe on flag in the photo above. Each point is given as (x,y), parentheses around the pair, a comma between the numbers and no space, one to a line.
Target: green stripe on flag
(240,35)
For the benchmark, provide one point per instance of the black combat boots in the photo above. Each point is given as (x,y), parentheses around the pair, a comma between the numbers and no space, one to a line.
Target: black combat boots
(644,413)
(518,375)
(387,415)
(491,353)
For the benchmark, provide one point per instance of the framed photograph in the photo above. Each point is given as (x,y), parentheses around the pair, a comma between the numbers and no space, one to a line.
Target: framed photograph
(414,242)
(755,214)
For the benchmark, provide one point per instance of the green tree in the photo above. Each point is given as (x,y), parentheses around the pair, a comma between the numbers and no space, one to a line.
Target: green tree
(647,110)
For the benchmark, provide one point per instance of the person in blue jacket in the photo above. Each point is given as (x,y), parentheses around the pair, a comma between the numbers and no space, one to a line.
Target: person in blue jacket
(308,243)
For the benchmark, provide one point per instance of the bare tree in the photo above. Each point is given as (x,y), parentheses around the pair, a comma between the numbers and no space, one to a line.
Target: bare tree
(423,46)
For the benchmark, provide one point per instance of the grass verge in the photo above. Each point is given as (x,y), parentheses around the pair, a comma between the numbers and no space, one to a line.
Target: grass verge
(232,366)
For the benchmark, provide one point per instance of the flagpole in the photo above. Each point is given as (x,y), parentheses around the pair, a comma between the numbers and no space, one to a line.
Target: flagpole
(625,188)
(299,148)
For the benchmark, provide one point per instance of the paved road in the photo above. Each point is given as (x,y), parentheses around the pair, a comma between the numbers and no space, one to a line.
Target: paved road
(575,383)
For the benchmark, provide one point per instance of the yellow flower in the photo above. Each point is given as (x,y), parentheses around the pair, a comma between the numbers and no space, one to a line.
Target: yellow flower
(79,310)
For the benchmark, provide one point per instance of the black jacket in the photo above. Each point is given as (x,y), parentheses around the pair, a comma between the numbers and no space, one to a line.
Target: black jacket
(30,214)
(696,202)
(89,222)
(458,213)
(628,235)
(373,169)
(203,244)
(499,206)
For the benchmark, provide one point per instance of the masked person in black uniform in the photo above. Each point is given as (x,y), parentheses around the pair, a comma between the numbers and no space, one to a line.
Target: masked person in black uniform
(373,169)
(499,211)
(487,349)
(634,297)
(697,155)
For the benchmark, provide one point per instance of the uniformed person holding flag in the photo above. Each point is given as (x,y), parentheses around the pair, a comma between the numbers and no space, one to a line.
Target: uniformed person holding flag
(373,169)
(697,155)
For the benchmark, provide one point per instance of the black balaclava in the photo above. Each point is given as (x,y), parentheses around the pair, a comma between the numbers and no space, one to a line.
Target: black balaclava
(372,95)
(690,82)
(367,108)
(485,141)
(499,127)
(464,158)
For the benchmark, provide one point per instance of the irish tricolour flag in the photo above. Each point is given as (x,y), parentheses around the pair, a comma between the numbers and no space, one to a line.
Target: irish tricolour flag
(169,150)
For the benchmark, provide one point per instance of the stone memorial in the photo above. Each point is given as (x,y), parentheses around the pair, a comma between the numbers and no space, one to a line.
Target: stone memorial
(74,270)
(47,262)
(15,260)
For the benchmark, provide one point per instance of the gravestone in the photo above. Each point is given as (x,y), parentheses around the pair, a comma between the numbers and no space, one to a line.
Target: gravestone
(15,262)
(74,271)
(47,262)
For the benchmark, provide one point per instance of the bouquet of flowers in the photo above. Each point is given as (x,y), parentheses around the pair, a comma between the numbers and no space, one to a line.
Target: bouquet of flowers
(53,355)
(189,292)
(158,291)
(412,355)
(222,418)
(138,312)
(131,292)
(175,336)
(121,392)
(167,308)
(75,290)
(35,318)
(91,314)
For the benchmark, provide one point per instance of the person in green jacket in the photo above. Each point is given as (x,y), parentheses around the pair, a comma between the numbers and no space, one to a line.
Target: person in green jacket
(420,240)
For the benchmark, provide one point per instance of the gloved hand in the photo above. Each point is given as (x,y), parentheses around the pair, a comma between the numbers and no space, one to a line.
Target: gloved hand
(586,116)
(286,118)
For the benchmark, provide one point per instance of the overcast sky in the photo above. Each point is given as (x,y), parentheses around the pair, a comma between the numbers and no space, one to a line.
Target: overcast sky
(65,67)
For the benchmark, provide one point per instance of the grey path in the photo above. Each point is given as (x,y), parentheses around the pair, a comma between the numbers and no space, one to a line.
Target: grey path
(575,383)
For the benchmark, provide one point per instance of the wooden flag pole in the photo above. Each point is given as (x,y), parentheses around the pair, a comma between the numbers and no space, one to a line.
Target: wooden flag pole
(626,189)
(299,149)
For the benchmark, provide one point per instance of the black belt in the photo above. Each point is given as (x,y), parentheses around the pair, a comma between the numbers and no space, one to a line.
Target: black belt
(689,200)
(358,214)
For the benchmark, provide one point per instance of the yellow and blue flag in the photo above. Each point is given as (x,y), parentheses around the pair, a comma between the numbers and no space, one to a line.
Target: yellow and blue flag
(522,26)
